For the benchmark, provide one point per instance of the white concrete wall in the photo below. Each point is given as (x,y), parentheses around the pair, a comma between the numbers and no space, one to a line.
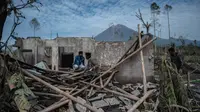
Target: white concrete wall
(107,53)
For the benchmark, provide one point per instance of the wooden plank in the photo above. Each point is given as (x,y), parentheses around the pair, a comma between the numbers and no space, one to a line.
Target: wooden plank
(62,102)
(112,91)
(123,91)
(47,94)
(101,82)
(137,104)
(142,61)
(109,78)
(123,60)
(60,91)
(125,54)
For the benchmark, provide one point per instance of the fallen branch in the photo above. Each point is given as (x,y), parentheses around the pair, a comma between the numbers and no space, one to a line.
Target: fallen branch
(60,91)
(137,104)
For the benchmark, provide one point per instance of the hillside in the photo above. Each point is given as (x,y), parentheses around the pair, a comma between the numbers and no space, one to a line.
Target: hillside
(163,42)
(122,33)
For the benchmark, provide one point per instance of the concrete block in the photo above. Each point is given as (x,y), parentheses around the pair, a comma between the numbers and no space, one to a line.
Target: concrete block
(79,107)
(106,102)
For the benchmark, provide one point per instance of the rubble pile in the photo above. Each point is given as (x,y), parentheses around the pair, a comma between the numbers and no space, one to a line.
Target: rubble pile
(28,88)
(76,91)
(37,88)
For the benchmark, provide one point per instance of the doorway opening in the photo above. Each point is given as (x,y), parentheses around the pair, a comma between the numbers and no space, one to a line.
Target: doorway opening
(67,60)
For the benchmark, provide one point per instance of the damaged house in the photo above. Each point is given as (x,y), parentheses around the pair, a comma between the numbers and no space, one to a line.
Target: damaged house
(60,52)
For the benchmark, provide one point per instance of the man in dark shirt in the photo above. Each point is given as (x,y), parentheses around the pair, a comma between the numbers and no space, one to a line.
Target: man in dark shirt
(79,62)
(175,58)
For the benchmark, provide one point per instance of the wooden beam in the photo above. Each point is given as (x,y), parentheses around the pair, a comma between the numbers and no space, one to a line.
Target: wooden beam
(60,103)
(101,82)
(123,60)
(142,61)
(125,54)
(47,94)
(60,91)
(55,106)
(109,78)
(122,91)
(137,104)
(112,91)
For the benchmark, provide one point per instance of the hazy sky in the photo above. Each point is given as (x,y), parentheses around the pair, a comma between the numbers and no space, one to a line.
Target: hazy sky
(88,18)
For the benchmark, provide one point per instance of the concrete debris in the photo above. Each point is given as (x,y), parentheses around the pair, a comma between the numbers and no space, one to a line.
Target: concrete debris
(151,85)
(100,110)
(42,65)
(138,86)
(79,90)
(79,107)
(128,87)
(99,97)
(148,106)
(70,91)
(136,92)
(70,107)
(37,88)
(106,102)
(128,103)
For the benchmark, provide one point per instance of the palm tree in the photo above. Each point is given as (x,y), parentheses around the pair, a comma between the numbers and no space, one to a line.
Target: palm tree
(35,25)
(168,8)
(155,10)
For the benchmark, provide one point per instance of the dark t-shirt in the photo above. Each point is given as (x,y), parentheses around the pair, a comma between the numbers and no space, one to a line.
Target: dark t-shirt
(176,60)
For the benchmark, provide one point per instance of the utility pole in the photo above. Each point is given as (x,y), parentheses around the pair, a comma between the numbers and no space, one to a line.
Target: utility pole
(51,34)
(154,22)
(168,22)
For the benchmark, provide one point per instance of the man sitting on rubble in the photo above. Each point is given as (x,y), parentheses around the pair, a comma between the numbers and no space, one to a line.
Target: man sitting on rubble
(175,58)
(91,66)
(91,63)
(79,62)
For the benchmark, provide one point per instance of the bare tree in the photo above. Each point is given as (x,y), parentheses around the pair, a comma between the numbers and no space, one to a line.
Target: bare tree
(168,8)
(155,10)
(146,25)
(8,6)
(35,25)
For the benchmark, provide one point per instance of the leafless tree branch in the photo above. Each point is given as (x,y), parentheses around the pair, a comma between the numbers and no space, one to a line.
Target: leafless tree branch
(139,16)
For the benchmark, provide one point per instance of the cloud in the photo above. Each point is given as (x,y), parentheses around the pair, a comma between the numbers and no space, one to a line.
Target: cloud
(91,17)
